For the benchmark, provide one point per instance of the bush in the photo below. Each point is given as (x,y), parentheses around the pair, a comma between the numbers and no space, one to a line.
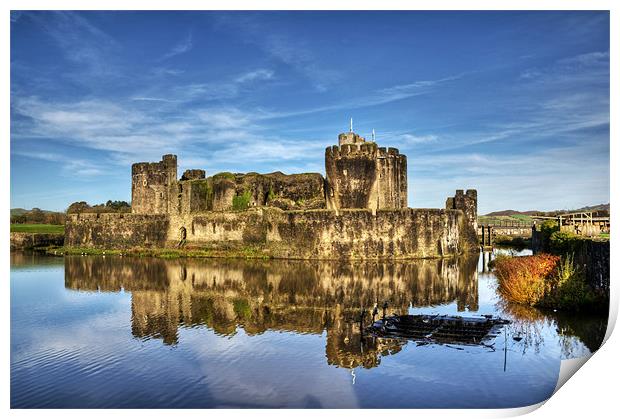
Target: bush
(241,202)
(546,229)
(523,279)
(543,280)
(37,216)
(568,287)
(519,242)
(224,175)
(110,206)
(565,242)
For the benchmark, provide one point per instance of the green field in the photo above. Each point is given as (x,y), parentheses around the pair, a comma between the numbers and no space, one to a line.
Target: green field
(38,228)
(483,219)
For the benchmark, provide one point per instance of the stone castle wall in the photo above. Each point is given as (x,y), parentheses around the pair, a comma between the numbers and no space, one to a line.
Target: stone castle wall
(113,231)
(195,193)
(318,234)
(20,241)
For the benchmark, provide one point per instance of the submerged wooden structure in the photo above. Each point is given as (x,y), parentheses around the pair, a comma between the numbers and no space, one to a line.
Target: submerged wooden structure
(444,329)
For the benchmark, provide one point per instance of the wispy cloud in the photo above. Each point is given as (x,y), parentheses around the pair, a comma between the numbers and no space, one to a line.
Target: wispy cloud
(131,134)
(295,53)
(403,91)
(582,68)
(216,90)
(79,41)
(71,166)
(151,99)
(182,47)
(97,94)
(15,15)
(515,180)
(299,57)
(417,139)
(378,97)
(165,71)
(260,74)
(587,59)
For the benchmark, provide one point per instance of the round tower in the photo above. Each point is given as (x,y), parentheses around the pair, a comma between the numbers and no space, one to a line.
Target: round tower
(361,175)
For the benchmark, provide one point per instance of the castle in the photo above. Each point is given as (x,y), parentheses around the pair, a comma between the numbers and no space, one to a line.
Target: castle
(359,175)
(358,210)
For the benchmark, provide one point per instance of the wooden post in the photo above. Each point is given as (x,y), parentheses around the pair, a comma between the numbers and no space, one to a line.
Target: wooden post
(489,237)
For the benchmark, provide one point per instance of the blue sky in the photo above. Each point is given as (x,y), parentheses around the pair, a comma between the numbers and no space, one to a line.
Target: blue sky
(514,104)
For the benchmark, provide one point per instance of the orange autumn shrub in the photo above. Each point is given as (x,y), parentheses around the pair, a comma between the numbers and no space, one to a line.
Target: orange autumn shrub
(526,280)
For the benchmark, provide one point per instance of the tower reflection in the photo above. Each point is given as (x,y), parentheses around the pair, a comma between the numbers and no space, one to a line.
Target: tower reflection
(257,296)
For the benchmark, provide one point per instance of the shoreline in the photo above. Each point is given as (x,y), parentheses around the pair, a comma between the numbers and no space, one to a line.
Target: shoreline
(27,240)
(246,252)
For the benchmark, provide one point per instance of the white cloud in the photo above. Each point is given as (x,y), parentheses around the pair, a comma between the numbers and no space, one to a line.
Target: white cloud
(590,67)
(70,166)
(293,53)
(563,177)
(416,88)
(182,47)
(80,41)
(587,59)
(227,135)
(151,99)
(260,74)
(418,139)
(224,118)
(375,98)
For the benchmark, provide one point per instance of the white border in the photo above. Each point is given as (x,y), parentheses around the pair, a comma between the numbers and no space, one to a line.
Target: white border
(591,394)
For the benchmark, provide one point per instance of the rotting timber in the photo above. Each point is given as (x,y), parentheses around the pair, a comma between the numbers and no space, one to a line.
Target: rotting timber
(442,329)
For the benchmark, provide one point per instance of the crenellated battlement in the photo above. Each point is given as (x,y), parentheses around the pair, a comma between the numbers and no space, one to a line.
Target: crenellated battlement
(350,138)
(369,148)
(352,149)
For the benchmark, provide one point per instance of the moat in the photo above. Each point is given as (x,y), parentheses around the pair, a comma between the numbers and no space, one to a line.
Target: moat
(93,331)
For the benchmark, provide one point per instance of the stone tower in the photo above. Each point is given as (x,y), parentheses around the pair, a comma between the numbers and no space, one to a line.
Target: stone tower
(362,175)
(468,203)
(150,185)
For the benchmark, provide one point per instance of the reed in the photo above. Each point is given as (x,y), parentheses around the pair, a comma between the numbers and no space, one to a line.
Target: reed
(544,281)
(524,280)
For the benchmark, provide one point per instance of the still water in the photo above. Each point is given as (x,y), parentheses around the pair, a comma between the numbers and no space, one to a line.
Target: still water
(122,332)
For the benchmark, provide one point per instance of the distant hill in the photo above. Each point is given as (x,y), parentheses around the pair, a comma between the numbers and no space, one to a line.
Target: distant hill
(22,211)
(18,211)
(600,207)
(510,212)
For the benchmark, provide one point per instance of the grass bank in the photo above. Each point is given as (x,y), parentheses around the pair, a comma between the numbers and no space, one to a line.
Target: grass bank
(519,242)
(247,252)
(38,228)
(497,219)
(545,281)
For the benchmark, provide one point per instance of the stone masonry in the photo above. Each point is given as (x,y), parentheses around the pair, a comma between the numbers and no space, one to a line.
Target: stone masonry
(358,211)
(362,175)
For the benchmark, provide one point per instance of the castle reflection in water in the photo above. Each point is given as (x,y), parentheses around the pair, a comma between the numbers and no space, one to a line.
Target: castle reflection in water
(303,297)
